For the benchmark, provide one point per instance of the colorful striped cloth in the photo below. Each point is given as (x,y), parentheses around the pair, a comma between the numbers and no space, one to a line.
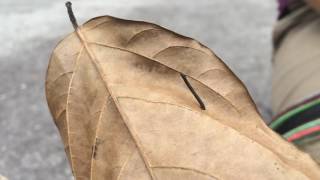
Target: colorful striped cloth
(300,122)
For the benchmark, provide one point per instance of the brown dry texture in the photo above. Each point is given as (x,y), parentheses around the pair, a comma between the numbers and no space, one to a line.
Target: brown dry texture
(123,111)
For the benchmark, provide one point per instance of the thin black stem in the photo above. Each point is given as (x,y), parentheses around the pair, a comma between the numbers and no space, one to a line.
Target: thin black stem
(71,15)
(202,106)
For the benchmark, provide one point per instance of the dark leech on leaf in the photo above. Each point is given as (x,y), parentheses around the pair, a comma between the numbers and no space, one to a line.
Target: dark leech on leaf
(184,77)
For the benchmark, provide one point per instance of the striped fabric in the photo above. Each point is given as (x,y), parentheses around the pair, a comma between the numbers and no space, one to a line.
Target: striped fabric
(299,122)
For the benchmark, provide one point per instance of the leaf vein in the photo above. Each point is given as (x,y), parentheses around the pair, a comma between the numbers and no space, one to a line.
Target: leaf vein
(186,169)
(124,118)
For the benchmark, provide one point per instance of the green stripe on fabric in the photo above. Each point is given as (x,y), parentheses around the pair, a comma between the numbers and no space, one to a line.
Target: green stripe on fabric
(301,128)
(307,139)
(276,123)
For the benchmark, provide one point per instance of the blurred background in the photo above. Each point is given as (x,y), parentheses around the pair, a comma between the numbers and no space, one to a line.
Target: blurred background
(239,31)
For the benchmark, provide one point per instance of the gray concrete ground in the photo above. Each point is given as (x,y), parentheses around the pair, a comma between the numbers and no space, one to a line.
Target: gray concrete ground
(239,31)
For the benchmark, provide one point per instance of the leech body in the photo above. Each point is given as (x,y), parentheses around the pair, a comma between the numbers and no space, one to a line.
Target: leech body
(184,77)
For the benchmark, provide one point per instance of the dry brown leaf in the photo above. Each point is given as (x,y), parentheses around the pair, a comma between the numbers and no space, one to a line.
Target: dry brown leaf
(115,92)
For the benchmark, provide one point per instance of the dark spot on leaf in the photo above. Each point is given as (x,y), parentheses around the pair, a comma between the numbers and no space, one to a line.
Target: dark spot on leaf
(95,148)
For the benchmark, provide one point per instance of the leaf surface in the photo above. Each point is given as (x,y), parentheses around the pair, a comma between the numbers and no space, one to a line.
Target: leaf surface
(115,90)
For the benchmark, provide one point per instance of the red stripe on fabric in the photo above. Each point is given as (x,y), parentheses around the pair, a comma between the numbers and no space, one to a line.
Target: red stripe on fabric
(303,133)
